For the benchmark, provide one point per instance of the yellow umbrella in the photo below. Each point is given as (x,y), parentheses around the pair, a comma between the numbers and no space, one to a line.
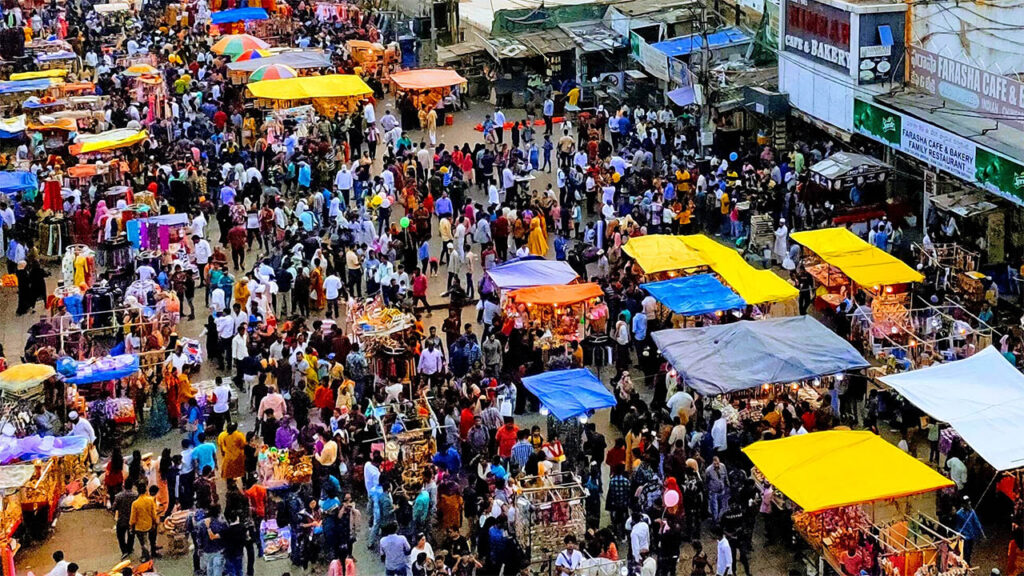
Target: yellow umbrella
(23,376)
(141,70)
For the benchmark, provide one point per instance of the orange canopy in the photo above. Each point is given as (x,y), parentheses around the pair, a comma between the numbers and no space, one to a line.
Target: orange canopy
(426,79)
(557,294)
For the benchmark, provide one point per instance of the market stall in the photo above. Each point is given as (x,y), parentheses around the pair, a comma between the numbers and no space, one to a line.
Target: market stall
(659,254)
(107,141)
(367,56)
(407,438)
(13,480)
(745,355)
(697,295)
(302,61)
(384,334)
(330,94)
(232,45)
(834,480)
(574,393)
(560,310)
(981,397)
(524,273)
(842,264)
(424,89)
(235,20)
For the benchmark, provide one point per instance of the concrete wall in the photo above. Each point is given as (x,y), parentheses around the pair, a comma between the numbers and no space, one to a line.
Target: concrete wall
(817,91)
(989,34)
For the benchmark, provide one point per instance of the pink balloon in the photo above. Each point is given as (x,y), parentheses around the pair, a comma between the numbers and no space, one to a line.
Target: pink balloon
(671,498)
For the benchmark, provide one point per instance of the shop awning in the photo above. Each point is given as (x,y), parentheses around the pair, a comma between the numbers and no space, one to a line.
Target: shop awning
(330,86)
(15,476)
(570,393)
(299,59)
(36,74)
(526,273)
(238,15)
(684,45)
(862,262)
(112,7)
(846,169)
(20,377)
(50,123)
(753,285)
(834,468)
(17,181)
(743,355)
(661,253)
(109,140)
(12,127)
(694,295)
(684,96)
(557,295)
(981,397)
(427,78)
(40,448)
(16,86)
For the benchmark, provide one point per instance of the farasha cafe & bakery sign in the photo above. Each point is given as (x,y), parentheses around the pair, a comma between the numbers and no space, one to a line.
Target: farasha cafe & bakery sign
(819,32)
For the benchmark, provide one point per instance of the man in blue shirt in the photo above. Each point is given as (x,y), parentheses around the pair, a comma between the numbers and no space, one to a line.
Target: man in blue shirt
(549,112)
(203,455)
(443,206)
(969,527)
(639,329)
(394,549)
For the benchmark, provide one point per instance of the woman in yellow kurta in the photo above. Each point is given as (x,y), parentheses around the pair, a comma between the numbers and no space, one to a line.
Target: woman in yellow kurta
(537,242)
(231,443)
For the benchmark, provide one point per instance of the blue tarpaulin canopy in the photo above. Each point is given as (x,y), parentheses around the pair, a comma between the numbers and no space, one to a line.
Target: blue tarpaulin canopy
(119,367)
(13,87)
(570,393)
(694,295)
(238,15)
(17,181)
(743,355)
(527,273)
(685,45)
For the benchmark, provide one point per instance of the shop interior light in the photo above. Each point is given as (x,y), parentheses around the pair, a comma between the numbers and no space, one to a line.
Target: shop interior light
(544,411)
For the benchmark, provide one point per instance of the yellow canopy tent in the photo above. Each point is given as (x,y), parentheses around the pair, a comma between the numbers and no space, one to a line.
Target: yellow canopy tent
(834,468)
(109,140)
(661,253)
(863,263)
(307,87)
(753,285)
(52,73)
(20,377)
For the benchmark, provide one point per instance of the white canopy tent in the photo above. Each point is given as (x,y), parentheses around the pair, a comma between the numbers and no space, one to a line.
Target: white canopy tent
(981,397)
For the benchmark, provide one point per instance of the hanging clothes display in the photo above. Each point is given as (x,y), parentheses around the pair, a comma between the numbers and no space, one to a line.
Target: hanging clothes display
(114,253)
(52,200)
(53,233)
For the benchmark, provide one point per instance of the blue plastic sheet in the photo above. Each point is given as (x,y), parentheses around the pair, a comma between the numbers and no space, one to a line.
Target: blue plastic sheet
(13,87)
(684,45)
(39,447)
(730,357)
(17,181)
(570,393)
(238,15)
(104,375)
(694,295)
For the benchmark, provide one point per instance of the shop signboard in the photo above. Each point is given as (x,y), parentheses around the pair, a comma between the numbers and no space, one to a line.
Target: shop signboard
(941,149)
(970,87)
(818,32)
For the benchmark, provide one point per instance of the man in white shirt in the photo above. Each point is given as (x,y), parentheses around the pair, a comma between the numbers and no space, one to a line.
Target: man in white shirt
(569,559)
(332,291)
(203,252)
(60,568)
(719,431)
(239,352)
(499,125)
(431,362)
(221,403)
(639,535)
(146,272)
(723,564)
(343,182)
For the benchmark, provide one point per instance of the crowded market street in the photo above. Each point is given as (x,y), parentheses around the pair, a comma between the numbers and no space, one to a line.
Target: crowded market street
(589,289)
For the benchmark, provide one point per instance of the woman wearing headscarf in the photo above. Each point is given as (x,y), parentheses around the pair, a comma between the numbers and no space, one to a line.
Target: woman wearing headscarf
(537,241)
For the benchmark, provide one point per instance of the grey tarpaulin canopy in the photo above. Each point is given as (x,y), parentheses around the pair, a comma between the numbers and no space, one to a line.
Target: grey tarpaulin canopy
(297,59)
(844,170)
(731,357)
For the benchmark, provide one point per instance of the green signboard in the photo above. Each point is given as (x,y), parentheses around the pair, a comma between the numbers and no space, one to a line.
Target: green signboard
(999,175)
(877,123)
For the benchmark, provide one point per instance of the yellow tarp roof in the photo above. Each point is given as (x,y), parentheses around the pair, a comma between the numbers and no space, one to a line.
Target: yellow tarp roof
(330,86)
(823,470)
(108,140)
(863,263)
(52,73)
(753,285)
(20,377)
(661,253)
